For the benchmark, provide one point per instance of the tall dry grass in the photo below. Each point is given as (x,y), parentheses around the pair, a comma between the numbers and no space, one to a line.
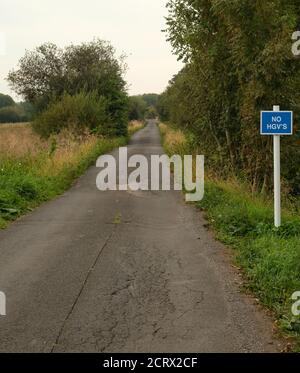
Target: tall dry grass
(17,141)
(174,140)
(134,126)
(33,170)
(20,143)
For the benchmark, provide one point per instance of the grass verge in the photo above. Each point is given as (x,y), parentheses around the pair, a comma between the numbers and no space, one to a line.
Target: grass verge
(135,126)
(33,170)
(269,258)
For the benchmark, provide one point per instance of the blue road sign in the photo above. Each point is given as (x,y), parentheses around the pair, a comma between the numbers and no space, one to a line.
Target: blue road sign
(276,123)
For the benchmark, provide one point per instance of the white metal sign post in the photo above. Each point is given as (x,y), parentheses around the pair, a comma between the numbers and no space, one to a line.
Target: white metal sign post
(277,183)
(277,123)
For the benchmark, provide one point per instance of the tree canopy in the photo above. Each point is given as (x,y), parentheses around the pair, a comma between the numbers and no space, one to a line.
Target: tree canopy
(47,73)
(238,62)
(137,108)
(6,100)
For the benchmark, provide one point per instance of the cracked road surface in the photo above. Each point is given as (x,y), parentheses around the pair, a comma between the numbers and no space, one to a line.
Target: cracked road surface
(123,272)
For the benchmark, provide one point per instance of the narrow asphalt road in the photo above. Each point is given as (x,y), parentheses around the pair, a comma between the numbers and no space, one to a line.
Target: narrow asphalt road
(123,272)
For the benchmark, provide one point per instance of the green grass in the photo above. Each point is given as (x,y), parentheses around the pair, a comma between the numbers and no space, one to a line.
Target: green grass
(33,171)
(25,183)
(269,257)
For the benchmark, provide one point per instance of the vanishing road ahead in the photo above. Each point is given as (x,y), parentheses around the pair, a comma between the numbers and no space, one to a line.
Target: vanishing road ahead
(123,272)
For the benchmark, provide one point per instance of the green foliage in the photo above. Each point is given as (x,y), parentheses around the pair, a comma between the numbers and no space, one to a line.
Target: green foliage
(143,106)
(79,112)
(23,186)
(46,74)
(163,109)
(28,111)
(238,62)
(137,108)
(6,100)
(269,257)
(11,114)
(151,99)
(20,112)
(151,113)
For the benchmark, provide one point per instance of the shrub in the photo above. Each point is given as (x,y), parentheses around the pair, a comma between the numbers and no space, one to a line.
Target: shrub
(81,112)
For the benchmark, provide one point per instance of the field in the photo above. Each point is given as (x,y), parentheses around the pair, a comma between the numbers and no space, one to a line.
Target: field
(268,258)
(33,170)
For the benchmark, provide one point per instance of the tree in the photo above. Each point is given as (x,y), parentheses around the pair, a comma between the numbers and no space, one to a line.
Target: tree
(5,100)
(151,99)
(238,62)
(151,113)
(163,109)
(137,108)
(28,110)
(11,114)
(47,73)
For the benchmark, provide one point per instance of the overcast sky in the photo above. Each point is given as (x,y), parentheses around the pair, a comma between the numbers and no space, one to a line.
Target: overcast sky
(133,27)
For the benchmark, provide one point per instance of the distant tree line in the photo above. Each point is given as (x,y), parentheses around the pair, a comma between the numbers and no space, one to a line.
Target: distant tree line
(143,106)
(238,61)
(80,86)
(12,112)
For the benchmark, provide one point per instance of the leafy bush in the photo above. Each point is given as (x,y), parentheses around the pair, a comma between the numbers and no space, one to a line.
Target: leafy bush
(81,112)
